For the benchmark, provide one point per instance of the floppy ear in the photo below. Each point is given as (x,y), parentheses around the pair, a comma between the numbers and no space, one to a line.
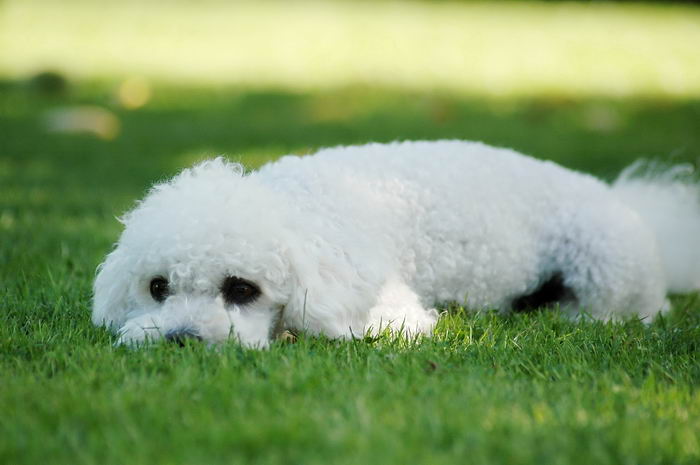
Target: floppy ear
(331,294)
(110,292)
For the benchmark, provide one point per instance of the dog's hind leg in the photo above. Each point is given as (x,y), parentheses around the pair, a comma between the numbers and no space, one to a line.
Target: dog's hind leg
(610,262)
(398,308)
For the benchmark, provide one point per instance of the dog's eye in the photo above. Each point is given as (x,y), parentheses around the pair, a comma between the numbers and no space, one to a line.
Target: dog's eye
(159,289)
(239,291)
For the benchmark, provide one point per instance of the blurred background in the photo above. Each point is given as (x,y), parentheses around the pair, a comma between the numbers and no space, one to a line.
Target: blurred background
(98,99)
(101,98)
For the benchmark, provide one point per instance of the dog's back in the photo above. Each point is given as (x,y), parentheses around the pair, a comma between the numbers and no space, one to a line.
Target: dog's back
(481,225)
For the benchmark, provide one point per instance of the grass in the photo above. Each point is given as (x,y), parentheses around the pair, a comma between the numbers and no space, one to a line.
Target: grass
(528,389)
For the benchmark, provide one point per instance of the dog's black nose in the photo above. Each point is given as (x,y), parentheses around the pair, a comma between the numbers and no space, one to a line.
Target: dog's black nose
(181,336)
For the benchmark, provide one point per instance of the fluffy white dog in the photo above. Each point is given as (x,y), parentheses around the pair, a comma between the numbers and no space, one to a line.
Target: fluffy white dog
(357,239)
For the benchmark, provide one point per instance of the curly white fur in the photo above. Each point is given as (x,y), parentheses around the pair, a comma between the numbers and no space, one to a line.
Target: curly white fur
(361,238)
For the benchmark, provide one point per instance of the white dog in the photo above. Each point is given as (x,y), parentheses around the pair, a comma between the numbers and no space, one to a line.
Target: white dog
(357,239)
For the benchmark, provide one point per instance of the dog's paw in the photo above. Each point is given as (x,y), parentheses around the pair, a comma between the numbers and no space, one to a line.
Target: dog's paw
(407,322)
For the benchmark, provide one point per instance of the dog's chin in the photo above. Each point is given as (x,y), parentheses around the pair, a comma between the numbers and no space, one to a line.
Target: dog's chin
(138,333)
(251,328)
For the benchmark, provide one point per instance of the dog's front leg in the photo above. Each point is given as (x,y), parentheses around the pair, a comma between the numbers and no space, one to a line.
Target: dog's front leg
(398,308)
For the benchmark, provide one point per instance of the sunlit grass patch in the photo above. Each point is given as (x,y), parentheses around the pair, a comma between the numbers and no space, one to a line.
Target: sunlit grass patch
(498,49)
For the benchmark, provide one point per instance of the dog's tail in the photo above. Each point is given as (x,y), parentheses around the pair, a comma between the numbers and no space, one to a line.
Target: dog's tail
(668,199)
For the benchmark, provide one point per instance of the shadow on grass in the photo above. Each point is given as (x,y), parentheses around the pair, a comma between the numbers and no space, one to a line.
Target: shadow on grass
(180,125)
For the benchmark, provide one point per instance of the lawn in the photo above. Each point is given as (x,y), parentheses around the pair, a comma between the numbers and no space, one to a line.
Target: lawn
(528,389)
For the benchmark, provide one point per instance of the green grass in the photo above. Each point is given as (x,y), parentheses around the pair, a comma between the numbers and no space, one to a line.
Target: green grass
(530,389)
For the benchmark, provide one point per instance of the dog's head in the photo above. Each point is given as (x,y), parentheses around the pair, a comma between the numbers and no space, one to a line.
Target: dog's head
(200,257)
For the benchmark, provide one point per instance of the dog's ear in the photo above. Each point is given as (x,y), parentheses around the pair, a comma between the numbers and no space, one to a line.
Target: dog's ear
(331,294)
(110,292)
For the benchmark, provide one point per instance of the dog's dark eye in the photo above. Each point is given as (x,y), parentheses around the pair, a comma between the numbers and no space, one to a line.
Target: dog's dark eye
(159,289)
(239,291)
